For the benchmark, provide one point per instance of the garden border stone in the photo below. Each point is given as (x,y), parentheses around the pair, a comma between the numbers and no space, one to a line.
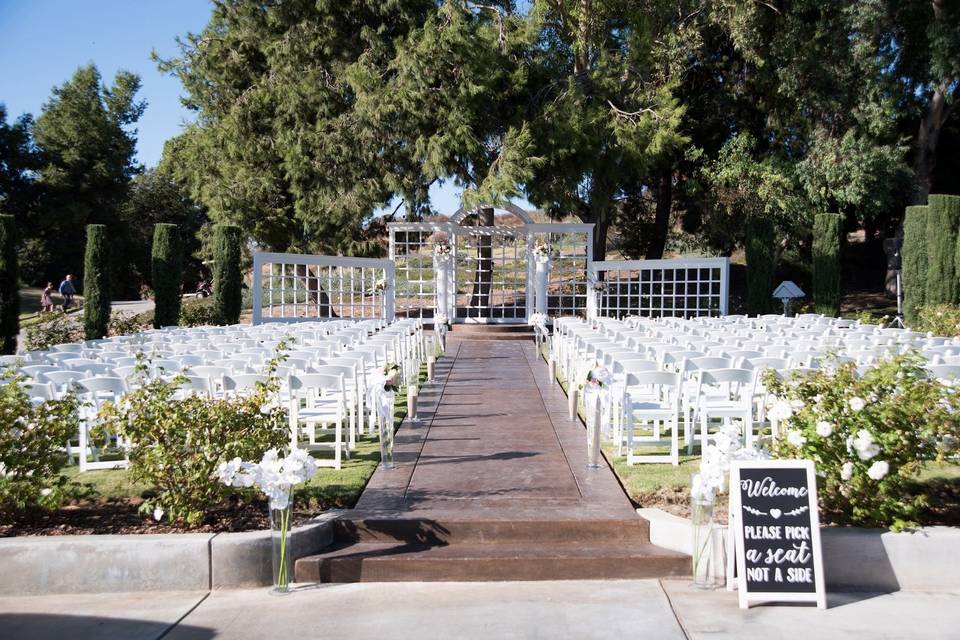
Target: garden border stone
(926,559)
(149,562)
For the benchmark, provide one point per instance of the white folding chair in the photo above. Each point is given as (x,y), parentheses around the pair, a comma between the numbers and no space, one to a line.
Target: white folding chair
(659,404)
(318,399)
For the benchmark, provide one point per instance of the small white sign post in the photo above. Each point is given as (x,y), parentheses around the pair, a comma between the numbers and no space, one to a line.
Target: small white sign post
(775,523)
(786,292)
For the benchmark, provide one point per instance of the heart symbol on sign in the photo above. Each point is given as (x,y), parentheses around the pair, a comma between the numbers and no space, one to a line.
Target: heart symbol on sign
(776,513)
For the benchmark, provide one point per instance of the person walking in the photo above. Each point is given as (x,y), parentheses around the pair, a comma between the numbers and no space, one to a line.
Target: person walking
(67,291)
(46,300)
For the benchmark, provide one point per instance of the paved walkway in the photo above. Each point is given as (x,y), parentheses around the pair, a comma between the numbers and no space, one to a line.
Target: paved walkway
(494,438)
(487,610)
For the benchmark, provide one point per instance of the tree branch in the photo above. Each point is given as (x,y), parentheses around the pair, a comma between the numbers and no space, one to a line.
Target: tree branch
(630,115)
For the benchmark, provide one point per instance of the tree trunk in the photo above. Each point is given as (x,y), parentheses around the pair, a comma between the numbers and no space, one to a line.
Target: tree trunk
(480,300)
(661,224)
(315,291)
(927,139)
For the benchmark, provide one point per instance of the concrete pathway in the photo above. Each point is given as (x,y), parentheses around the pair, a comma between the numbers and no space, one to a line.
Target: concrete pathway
(669,609)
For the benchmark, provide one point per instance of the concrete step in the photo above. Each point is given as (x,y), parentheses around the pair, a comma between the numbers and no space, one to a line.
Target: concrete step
(395,562)
(449,530)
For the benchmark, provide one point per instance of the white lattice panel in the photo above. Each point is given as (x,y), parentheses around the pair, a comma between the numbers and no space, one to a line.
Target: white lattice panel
(289,287)
(682,288)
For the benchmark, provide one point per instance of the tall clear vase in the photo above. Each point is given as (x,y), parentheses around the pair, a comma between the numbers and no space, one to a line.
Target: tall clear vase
(708,550)
(593,410)
(385,425)
(280,520)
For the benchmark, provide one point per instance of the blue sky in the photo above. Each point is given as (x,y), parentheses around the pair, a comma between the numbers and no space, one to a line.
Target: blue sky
(42,42)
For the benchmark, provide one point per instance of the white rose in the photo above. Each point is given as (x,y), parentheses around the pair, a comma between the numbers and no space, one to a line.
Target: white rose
(796,438)
(157,514)
(46,492)
(797,404)
(868,452)
(878,469)
(824,429)
(857,404)
(846,472)
(781,410)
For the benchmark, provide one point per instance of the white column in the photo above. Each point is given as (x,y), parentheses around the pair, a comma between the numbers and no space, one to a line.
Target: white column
(443,274)
(541,277)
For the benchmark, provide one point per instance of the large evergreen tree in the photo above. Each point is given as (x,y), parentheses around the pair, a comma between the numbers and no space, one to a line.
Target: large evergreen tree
(86,146)
(277,148)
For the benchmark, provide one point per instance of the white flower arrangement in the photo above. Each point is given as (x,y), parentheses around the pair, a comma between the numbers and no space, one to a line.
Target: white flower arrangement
(538,319)
(381,286)
(391,377)
(273,475)
(442,249)
(598,286)
(440,318)
(541,250)
(715,463)
(599,377)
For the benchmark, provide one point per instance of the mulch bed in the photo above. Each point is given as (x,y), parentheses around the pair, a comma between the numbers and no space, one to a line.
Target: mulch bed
(122,516)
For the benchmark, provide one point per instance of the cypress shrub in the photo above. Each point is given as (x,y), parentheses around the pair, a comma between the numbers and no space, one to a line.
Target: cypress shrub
(96,283)
(760,244)
(826,263)
(167,267)
(913,262)
(9,286)
(227,277)
(943,221)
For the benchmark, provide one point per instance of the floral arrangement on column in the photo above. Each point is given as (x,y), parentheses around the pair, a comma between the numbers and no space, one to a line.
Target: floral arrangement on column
(542,253)
(442,249)
(276,477)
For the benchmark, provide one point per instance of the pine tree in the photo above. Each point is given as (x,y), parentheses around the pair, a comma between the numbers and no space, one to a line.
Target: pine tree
(9,286)
(96,283)
(86,145)
(943,225)
(761,250)
(914,261)
(167,262)
(826,263)
(227,277)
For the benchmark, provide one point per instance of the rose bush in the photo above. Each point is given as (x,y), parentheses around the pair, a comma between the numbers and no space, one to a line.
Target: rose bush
(32,440)
(177,443)
(868,436)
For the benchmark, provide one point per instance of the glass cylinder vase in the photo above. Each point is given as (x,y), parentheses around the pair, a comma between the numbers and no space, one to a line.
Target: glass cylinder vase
(280,520)
(708,550)
(385,428)
(592,407)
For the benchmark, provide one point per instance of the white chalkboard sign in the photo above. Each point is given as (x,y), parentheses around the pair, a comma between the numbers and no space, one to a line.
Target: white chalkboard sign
(776,529)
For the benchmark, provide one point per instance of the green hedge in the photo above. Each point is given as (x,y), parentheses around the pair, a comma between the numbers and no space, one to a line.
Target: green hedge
(167,266)
(943,221)
(227,277)
(760,244)
(9,286)
(913,265)
(96,283)
(827,229)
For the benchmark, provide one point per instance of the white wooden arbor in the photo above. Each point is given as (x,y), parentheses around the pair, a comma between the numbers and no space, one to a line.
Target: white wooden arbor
(493,266)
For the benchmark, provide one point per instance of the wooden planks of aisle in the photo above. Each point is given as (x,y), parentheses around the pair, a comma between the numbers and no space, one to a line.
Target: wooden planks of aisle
(491,483)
